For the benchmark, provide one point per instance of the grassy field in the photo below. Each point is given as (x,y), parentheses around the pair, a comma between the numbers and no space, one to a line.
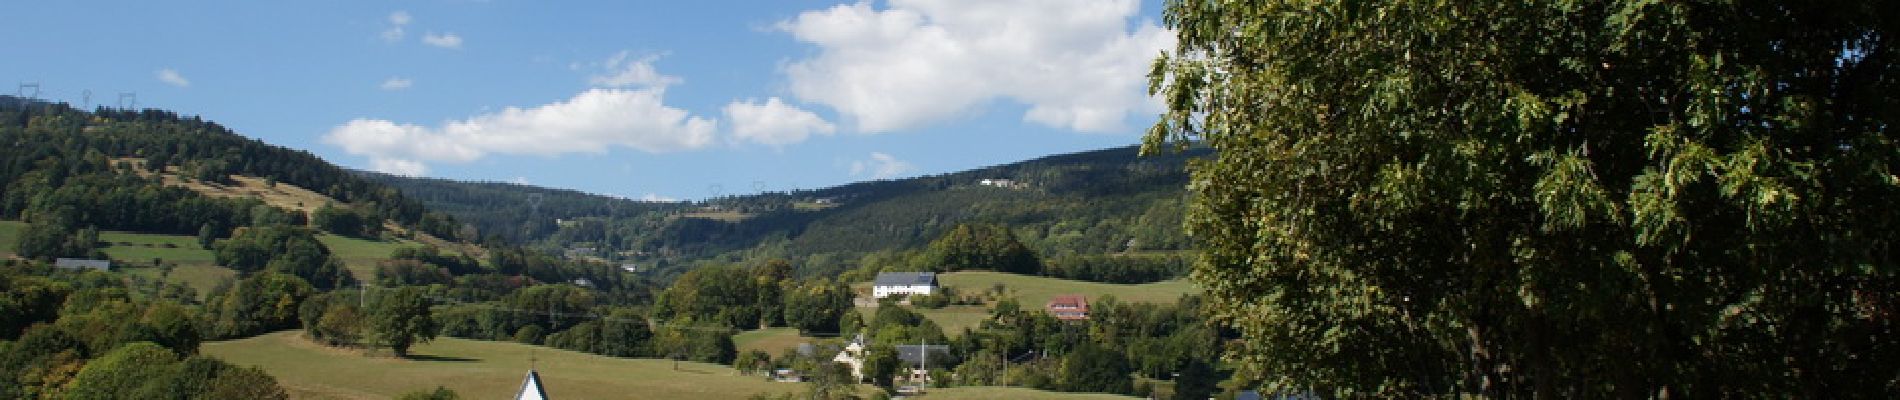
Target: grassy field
(773,340)
(198,277)
(952,319)
(1031,292)
(482,370)
(141,248)
(1034,291)
(361,255)
(10,236)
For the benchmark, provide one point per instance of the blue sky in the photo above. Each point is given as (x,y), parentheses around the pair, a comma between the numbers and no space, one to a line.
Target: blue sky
(659,100)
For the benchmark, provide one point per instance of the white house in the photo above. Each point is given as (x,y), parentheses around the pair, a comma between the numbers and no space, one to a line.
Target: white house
(904,283)
(853,355)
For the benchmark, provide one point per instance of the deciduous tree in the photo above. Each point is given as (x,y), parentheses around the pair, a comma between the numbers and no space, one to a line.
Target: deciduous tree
(1615,198)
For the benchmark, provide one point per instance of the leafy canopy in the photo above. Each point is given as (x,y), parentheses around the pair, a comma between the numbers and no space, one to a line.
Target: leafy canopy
(1620,198)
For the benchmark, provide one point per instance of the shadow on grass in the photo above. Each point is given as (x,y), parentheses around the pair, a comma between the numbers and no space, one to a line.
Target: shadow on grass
(432,357)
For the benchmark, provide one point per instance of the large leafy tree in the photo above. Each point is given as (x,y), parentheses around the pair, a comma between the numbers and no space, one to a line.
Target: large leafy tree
(401,318)
(1561,198)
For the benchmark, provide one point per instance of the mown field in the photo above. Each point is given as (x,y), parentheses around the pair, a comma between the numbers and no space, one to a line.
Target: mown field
(494,370)
(773,341)
(199,277)
(1031,292)
(482,370)
(141,248)
(10,236)
(1034,291)
(360,255)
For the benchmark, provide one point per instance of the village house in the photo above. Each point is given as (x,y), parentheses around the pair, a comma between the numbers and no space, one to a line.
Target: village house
(853,356)
(904,283)
(917,359)
(1069,307)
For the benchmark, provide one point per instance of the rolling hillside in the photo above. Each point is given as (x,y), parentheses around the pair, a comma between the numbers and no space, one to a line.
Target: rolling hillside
(1094,202)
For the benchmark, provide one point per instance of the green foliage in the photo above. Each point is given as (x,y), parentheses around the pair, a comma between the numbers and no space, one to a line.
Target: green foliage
(881,365)
(1544,199)
(439,393)
(402,272)
(131,371)
(817,305)
(1091,368)
(339,324)
(1085,203)
(283,249)
(142,370)
(63,161)
(400,318)
(981,247)
(752,361)
(831,381)
(47,240)
(723,295)
(346,221)
(625,333)
(25,300)
(264,302)
(1119,268)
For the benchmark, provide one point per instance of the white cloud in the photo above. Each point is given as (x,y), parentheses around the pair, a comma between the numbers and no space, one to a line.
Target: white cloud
(397,20)
(881,166)
(656,198)
(171,77)
(520,180)
(1077,64)
(625,71)
(446,40)
(590,122)
(409,168)
(396,83)
(774,122)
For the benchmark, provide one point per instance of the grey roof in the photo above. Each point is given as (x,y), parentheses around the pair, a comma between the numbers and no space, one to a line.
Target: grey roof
(912,354)
(78,263)
(906,278)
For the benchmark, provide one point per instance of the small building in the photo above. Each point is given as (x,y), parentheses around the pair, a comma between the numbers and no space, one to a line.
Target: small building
(787,375)
(82,264)
(1069,307)
(853,355)
(531,388)
(904,283)
(917,359)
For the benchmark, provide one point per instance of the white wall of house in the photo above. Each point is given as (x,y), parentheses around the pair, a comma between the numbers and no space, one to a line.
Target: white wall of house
(916,290)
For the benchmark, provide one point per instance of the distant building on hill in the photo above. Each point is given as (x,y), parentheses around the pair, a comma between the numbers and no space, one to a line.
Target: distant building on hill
(1069,307)
(905,283)
(82,263)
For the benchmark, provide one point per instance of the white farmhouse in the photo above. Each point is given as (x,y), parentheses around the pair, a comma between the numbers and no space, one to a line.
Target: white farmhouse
(904,283)
(853,356)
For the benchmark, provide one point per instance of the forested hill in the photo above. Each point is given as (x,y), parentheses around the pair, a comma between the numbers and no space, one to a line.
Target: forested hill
(1110,201)
(96,169)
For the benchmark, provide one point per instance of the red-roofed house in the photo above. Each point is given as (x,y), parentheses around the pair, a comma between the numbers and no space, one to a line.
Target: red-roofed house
(1069,307)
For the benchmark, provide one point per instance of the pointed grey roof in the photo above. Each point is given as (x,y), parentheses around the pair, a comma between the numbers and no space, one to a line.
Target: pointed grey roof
(906,278)
(531,388)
